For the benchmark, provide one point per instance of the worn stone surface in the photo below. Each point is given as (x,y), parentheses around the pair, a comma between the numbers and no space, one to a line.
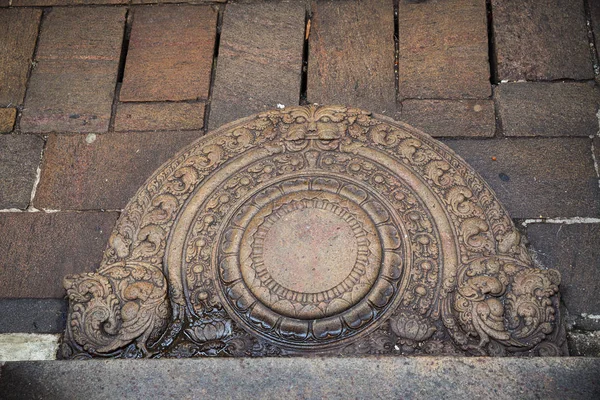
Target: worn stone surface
(18,34)
(170,53)
(548,109)
(32,315)
(451,118)
(45,247)
(541,41)
(314,230)
(575,251)
(28,346)
(537,177)
(260,60)
(7,119)
(443,49)
(309,378)
(19,160)
(352,55)
(72,86)
(584,343)
(102,172)
(159,116)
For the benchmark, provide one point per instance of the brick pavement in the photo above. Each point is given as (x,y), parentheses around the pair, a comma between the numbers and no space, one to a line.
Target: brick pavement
(94,97)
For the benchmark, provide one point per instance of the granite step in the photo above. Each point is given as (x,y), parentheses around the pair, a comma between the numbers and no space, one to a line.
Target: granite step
(309,378)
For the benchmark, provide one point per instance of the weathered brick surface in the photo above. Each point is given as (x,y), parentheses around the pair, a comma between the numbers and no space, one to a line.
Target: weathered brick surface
(18,34)
(352,55)
(47,3)
(541,40)
(443,49)
(575,251)
(548,109)
(46,247)
(104,172)
(451,118)
(260,60)
(19,159)
(537,177)
(7,119)
(32,315)
(159,116)
(72,87)
(170,53)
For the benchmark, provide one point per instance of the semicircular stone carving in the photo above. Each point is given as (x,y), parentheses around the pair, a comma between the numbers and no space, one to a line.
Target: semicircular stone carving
(314,230)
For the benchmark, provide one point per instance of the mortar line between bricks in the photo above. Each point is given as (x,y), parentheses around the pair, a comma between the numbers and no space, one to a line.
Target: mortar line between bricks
(38,176)
(558,80)
(491,43)
(120,70)
(595,160)
(303,100)
(213,73)
(397,52)
(591,37)
(559,220)
(31,66)
(53,211)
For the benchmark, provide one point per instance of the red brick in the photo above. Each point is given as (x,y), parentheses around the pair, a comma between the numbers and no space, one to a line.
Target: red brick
(352,55)
(18,34)
(575,251)
(260,60)
(541,40)
(451,118)
(19,160)
(47,3)
(443,49)
(72,87)
(159,116)
(7,119)
(537,177)
(104,171)
(548,109)
(170,53)
(43,248)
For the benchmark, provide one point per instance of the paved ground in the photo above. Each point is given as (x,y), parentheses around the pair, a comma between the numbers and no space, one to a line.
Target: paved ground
(93,98)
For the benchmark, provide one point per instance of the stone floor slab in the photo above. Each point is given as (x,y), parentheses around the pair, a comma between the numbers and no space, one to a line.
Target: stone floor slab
(548,109)
(260,60)
(170,53)
(307,378)
(72,86)
(159,116)
(575,251)
(32,315)
(541,40)
(43,247)
(443,49)
(451,118)
(85,172)
(351,58)
(18,35)
(19,159)
(537,177)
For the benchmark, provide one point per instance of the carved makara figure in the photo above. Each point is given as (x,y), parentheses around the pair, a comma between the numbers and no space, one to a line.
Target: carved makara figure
(321,230)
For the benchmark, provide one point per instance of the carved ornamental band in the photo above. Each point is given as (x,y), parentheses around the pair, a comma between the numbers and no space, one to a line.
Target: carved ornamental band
(314,230)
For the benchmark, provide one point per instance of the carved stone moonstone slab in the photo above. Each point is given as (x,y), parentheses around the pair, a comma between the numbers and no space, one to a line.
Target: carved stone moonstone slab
(314,230)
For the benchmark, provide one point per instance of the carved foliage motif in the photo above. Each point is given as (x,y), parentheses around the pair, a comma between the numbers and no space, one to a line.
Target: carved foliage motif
(432,264)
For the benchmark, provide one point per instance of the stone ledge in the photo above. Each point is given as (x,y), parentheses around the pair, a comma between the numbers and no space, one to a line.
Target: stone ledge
(332,378)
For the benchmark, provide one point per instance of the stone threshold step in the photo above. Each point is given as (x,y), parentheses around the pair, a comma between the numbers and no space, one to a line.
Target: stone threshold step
(308,378)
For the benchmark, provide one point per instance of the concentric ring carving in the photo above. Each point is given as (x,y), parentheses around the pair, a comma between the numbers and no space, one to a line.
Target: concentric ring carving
(314,230)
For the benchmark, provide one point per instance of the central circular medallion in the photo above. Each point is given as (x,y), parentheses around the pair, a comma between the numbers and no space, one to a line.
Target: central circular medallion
(310,254)
(309,250)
